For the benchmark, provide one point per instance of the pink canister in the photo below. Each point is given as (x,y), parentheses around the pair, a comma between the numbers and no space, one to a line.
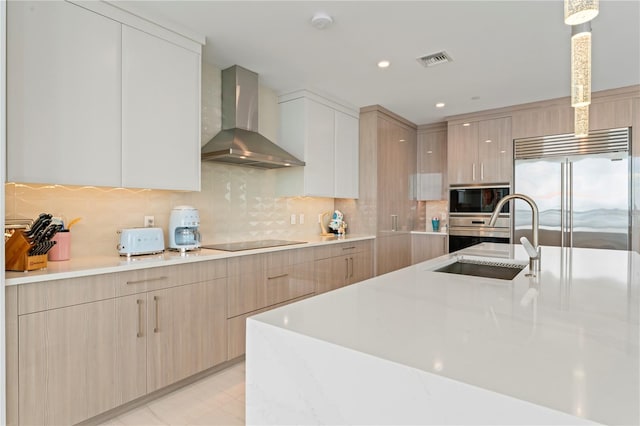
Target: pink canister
(62,249)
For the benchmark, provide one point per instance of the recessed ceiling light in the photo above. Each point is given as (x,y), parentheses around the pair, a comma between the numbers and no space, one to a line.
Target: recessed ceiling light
(384,64)
(429,152)
(466,124)
(402,140)
(488,141)
(440,105)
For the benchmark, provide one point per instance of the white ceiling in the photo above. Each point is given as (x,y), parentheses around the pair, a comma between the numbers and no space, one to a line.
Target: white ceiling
(504,52)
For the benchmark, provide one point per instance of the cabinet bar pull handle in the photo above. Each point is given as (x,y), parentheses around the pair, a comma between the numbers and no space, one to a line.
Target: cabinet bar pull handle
(473,172)
(348,248)
(139,302)
(351,275)
(277,276)
(346,277)
(478,222)
(156,328)
(146,280)
(481,171)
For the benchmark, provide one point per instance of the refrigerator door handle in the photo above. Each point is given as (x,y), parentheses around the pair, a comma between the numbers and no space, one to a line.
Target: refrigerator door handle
(570,198)
(562,202)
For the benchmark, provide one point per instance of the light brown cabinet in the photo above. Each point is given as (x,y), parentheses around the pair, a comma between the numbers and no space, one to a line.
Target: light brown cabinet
(393,251)
(387,203)
(347,263)
(186,331)
(59,354)
(480,152)
(260,282)
(396,168)
(427,246)
(431,181)
(87,345)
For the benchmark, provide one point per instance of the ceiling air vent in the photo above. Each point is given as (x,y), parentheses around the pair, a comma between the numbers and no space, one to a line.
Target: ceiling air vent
(435,59)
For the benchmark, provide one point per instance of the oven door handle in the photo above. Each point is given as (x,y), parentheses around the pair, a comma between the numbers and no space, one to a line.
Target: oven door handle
(478,222)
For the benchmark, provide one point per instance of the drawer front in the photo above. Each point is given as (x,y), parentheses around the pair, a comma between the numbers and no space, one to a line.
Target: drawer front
(42,296)
(246,265)
(169,276)
(245,293)
(284,284)
(284,258)
(237,331)
(348,247)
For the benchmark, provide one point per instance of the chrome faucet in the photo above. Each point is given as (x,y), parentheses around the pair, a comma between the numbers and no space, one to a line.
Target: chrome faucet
(534,251)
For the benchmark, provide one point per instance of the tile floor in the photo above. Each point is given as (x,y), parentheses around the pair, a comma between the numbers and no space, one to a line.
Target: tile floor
(214,400)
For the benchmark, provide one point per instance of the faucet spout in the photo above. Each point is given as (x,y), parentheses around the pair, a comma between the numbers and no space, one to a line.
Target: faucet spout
(534,262)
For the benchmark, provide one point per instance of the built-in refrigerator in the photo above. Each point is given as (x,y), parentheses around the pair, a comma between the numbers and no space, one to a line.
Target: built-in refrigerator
(582,187)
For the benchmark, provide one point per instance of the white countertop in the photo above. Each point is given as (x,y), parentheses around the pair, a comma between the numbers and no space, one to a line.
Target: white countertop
(95,265)
(441,233)
(566,340)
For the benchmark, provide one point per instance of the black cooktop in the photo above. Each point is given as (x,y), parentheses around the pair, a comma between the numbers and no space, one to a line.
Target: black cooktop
(250,245)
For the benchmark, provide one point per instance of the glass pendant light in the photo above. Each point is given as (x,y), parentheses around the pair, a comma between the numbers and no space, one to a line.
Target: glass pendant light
(579,11)
(581,65)
(581,121)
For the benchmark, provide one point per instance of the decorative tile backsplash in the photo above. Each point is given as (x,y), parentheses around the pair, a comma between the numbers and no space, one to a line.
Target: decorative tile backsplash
(235,203)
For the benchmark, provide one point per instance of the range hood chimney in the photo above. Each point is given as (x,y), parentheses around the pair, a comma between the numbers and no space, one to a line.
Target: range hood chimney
(239,141)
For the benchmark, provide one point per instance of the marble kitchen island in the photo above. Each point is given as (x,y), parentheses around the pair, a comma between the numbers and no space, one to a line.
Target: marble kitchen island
(421,347)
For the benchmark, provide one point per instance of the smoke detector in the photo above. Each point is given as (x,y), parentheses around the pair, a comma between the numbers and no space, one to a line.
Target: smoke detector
(321,20)
(435,59)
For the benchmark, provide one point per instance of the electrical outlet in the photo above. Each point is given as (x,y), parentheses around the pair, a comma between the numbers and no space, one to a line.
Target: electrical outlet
(293,219)
(301,221)
(149,221)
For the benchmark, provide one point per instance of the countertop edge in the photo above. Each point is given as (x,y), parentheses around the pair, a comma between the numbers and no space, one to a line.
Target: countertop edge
(97,265)
(441,233)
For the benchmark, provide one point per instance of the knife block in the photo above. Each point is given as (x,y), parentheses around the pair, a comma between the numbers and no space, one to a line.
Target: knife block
(16,254)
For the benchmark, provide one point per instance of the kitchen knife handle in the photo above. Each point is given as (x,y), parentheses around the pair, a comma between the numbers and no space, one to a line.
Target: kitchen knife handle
(148,279)
(277,276)
(157,327)
(139,302)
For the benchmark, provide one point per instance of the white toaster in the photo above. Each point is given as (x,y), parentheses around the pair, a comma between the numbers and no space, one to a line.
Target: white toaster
(136,241)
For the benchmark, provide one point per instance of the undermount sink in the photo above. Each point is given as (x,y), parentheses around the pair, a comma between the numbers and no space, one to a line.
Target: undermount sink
(486,268)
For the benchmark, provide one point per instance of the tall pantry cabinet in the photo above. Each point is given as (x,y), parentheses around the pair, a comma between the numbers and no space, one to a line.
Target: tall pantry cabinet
(387,170)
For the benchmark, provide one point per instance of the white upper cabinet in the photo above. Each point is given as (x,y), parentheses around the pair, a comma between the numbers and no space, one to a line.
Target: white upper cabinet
(63,95)
(324,135)
(92,101)
(160,113)
(346,156)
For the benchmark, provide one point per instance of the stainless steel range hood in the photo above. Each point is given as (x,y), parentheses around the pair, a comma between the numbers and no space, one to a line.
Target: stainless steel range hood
(239,141)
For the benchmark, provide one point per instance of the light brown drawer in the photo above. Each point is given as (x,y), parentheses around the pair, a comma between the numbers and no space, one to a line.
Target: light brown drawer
(290,282)
(54,294)
(333,250)
(284,258)
(246,265)
(150,279)
(237,331)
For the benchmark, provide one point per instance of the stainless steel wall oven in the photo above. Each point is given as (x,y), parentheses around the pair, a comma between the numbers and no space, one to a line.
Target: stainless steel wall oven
(470,209)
